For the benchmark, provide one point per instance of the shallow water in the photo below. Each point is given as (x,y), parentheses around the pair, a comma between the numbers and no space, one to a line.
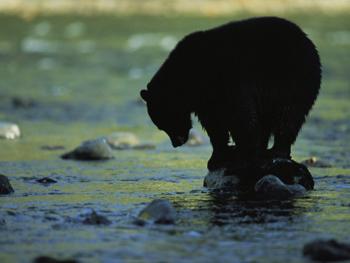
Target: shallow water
(84,75)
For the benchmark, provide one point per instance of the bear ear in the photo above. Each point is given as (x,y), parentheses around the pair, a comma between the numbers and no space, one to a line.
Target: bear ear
(144,95)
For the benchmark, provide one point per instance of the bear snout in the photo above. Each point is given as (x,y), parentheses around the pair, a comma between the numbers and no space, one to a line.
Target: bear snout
(178,140)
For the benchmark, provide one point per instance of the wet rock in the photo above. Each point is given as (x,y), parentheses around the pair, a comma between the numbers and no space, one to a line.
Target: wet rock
(94,219)
(196,138)
(159,211)
(45,259)
(122,140)
(327,250)
(46,180)
(96,149)
(314,163)
(271,186)
(21,102)
(5,186)
(9,130)
(273,178)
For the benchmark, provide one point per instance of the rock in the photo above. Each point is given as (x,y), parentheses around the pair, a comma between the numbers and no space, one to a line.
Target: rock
(96,149)
(327,250)
(271,186)
(195,138)
(94,219)
(9,130)
(312,162)
(45,259)
(122,140)
(159,211)
(46,180)
(19,102)
(218,179)
(5,186)
(281,176)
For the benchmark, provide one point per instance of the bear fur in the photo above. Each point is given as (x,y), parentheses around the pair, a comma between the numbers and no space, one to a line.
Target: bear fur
(247,80)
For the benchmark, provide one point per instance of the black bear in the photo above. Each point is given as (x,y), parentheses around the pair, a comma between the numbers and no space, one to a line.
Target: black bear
(247,79)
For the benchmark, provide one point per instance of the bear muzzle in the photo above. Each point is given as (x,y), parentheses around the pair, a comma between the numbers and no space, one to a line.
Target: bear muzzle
(178,140)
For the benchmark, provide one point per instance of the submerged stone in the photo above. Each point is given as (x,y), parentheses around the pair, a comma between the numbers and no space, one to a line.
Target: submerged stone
(5,186)
(327,250)
(45,259)
(159,211)
(46,180)
(272,178)
(96,149)
(95,219)
(9,130)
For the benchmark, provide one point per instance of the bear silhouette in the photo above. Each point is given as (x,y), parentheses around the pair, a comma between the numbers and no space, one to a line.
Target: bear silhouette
(247,80)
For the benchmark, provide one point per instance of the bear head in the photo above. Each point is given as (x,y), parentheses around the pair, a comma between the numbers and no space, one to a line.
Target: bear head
(169,116)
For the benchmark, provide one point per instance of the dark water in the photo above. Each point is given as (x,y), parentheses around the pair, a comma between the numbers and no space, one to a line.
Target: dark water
(84,75)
